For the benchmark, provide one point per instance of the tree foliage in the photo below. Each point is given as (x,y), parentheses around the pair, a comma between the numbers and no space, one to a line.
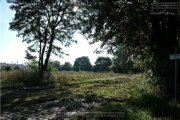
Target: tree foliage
(102,64)
(66,66)
(45,26)
(33,64)
(51,67)
(7,68)
(122,62)
(82,64)
(17,67)
(150,38)
(57,65)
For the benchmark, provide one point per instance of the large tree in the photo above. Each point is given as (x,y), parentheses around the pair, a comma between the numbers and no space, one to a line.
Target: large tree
(56,64)
(66,66)
(102,64)
(46,25)
(150,38)
(122,62)
(82,64)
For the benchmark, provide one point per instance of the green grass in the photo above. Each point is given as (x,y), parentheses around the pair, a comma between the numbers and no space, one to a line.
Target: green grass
(145,107)
(130,93)
(144,102)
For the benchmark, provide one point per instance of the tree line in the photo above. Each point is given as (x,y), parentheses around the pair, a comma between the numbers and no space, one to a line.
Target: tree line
(118,64)
(102,64)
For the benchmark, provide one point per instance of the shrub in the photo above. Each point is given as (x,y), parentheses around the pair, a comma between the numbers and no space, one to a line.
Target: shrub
(17,68)
(7,68)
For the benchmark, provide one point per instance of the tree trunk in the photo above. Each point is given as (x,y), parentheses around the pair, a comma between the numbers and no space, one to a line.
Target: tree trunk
(41,73)
(42,70)
(50,49)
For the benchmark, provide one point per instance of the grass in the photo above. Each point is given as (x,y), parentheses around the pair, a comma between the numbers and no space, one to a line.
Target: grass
(130,93)
(22,78)
(144,103)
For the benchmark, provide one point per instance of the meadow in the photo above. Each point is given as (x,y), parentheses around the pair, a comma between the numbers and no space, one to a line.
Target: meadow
(133,94)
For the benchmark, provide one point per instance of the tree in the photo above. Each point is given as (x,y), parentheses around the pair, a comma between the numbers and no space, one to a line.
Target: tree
(43,24)
(102,64)
(82,64)
(57,65)
(51,67)
(17,68)
(67,66)
(7,68)
(150,38)
(122,62)
(33,64)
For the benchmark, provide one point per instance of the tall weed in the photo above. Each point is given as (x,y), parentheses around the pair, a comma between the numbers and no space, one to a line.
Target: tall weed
(19,78)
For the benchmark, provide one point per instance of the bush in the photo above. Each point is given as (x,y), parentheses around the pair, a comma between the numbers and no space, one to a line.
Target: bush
(7,68)
(17,68)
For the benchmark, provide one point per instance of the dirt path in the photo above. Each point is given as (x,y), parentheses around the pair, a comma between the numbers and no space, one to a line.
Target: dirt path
(53,109)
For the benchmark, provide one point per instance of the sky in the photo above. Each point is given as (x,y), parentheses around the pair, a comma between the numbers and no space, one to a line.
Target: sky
(12,50)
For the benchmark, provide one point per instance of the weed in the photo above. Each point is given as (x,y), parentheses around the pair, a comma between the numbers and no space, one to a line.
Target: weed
(20,78)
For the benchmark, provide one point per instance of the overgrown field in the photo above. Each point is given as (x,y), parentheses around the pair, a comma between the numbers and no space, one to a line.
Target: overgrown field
(130,93)
(21,78)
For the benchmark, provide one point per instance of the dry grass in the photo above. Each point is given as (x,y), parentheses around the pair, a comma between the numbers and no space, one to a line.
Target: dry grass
(72,76)
(21,78)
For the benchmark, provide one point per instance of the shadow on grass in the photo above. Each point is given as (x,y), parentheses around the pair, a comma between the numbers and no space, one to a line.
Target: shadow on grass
(15,99)
(146,106)
(159,107)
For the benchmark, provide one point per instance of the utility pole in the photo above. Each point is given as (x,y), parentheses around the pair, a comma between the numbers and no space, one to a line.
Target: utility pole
(175,78)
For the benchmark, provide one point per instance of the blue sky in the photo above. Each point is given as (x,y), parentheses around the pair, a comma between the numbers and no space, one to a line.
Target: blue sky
(12,49)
